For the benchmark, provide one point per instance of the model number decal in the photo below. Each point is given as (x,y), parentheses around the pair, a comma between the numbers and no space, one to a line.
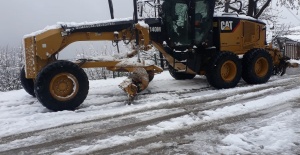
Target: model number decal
(155,29)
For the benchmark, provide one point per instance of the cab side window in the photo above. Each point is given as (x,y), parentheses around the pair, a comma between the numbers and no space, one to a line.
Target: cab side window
(201,13)
(181,24)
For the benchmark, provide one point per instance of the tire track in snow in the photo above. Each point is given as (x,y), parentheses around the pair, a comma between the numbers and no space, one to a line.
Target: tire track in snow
(189,107)
(189,101)
(184,102)
(168,135)
(142,96)
(170,141)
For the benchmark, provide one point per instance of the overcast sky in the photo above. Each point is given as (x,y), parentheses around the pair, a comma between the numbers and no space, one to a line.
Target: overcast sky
(20,17)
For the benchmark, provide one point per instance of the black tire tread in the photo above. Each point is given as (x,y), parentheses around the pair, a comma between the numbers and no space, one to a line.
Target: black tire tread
(43,79)
(27,84)
(173,72)
(213,71)
(180,75)
(248,61)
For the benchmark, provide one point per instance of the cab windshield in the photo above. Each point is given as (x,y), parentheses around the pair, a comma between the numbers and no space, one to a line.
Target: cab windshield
(177,22)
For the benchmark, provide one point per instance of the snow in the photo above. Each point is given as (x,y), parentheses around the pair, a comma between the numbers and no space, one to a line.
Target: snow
(252,106)
(78,25)
(123,60)
(294,37)
(294,61)
(143,24)
(297,28)
(235,15)
(277,134)
(134,62)
(47,28)
(295,34)
(103,22)
(104,58)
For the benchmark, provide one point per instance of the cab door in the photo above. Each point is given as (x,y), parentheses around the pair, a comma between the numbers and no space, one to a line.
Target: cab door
(177,22)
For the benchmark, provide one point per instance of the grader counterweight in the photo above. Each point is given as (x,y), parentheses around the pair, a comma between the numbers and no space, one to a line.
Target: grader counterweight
(193,40)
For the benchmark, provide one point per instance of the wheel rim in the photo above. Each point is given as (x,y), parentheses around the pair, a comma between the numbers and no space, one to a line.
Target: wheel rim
(64,86)
(228,71)
(261,67)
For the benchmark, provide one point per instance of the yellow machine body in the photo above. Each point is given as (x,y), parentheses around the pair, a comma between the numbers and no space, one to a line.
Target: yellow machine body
(224,48)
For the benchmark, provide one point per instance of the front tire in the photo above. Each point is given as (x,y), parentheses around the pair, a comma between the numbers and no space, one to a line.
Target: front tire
(257,66)
(180,75)
(61,85)
(27,84)
(224,70)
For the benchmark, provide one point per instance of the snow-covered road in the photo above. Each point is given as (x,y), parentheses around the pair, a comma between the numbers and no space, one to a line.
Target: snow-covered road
(169,117)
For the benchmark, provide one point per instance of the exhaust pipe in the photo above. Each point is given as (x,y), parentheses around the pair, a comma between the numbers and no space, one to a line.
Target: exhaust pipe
(111,8)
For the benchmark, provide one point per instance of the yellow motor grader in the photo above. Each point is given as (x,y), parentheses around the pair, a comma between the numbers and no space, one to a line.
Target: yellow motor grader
(194,41)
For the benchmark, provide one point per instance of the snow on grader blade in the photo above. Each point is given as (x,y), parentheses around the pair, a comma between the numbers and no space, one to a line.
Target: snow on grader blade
(188,34)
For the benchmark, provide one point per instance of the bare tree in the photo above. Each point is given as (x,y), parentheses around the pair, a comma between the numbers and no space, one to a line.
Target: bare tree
(11,61)
(254,8)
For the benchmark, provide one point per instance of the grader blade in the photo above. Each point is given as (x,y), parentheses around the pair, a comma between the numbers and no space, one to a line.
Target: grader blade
(135,83)
(141,72)
(285,62)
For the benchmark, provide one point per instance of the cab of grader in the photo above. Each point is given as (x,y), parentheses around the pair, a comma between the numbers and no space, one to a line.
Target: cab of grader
(191,38)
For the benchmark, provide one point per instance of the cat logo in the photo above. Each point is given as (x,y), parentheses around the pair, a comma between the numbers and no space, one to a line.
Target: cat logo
(226,25)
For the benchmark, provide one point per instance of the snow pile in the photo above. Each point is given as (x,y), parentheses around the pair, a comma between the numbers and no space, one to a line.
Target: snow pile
(294,61)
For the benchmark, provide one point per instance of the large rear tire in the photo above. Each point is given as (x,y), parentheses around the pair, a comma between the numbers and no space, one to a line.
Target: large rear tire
(28,84)
(224,71)
(257,66)
(180,75)
(61,85)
